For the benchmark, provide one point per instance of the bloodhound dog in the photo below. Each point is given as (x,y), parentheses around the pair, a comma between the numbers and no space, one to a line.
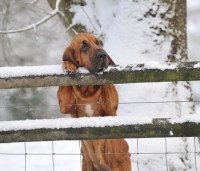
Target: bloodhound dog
(99,100)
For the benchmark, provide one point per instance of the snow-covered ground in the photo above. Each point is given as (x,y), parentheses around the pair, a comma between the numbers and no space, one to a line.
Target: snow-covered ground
(124,42)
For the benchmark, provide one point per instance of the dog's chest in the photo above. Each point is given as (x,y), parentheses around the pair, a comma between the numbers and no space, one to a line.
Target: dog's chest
(89,110)
(87,100)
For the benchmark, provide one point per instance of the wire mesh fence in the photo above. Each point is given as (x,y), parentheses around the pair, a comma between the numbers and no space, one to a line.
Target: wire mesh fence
(146,154)
(51,111)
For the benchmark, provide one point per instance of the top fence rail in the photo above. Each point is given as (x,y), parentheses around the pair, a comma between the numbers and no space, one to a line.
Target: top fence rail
(52,75)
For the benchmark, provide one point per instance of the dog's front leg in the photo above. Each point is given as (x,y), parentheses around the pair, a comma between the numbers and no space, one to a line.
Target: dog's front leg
(67,101)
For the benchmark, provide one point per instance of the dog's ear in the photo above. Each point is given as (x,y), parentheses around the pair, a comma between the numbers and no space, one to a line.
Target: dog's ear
(69,55)
(111,62)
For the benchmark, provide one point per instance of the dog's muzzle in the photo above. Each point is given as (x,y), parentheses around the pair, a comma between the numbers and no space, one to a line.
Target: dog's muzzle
(99,62)
(102,60)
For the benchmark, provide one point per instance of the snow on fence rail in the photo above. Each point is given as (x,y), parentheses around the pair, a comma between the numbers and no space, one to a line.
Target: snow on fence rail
(118,127)
(98,128)
(53,75)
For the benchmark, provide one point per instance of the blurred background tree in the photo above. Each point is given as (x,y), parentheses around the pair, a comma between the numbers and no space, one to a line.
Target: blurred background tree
(42,45)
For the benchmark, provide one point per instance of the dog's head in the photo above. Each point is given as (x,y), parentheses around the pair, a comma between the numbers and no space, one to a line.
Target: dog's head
(86,51)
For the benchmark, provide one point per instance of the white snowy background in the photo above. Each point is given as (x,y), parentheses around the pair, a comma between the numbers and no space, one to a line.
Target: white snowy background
(125,43)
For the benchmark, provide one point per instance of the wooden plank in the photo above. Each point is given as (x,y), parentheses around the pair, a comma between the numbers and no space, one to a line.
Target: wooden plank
(158,128)
(116,75)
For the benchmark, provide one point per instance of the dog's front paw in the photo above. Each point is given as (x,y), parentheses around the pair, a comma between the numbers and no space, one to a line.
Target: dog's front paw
(69,66)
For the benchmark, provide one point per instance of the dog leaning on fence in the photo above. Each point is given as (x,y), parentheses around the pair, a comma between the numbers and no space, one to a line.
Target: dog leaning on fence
(89,101)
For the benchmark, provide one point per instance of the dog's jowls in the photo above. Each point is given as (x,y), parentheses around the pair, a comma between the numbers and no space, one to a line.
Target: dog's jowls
(89,101)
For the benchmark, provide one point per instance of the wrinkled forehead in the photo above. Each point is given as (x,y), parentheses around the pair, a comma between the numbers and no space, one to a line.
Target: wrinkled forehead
(79,38)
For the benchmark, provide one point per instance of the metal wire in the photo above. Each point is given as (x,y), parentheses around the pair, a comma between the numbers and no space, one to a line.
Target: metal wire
(80,151)
(53,156)
(25,154)
(133,153)
(166,153)
(70,154)
(195,153)
(120,103)
(137,155)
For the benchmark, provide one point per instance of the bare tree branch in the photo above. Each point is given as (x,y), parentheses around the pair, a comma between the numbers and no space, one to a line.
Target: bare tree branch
(32,2)
(33,26)
(89,18)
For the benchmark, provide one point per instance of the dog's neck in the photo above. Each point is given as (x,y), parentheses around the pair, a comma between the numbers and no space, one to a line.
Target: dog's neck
(87,93)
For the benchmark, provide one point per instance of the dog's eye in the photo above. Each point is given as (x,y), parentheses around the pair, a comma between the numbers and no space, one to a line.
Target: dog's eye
(84,46)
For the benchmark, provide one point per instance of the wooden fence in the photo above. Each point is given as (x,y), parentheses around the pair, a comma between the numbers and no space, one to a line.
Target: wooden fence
(139,73)
(188,71)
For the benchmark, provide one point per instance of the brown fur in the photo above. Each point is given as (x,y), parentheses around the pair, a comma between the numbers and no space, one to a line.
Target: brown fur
(86,101)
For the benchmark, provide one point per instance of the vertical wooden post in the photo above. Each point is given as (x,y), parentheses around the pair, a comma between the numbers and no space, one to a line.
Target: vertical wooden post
(177,29)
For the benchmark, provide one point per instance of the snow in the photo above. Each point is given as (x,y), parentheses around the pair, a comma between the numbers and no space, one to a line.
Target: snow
(72,123)
(82,70)
(171,133)
(88,122)
(197,65)
(25,71)
(136,31)
(147,65)
(156,65)
(186,118)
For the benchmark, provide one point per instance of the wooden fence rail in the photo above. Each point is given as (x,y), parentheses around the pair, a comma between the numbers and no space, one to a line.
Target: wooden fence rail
(156,128)
(149,72)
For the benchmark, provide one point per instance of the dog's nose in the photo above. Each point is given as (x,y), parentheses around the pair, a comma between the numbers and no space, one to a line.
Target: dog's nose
(102,55)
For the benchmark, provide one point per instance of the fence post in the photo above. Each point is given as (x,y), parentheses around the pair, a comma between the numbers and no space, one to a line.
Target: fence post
(177,29)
